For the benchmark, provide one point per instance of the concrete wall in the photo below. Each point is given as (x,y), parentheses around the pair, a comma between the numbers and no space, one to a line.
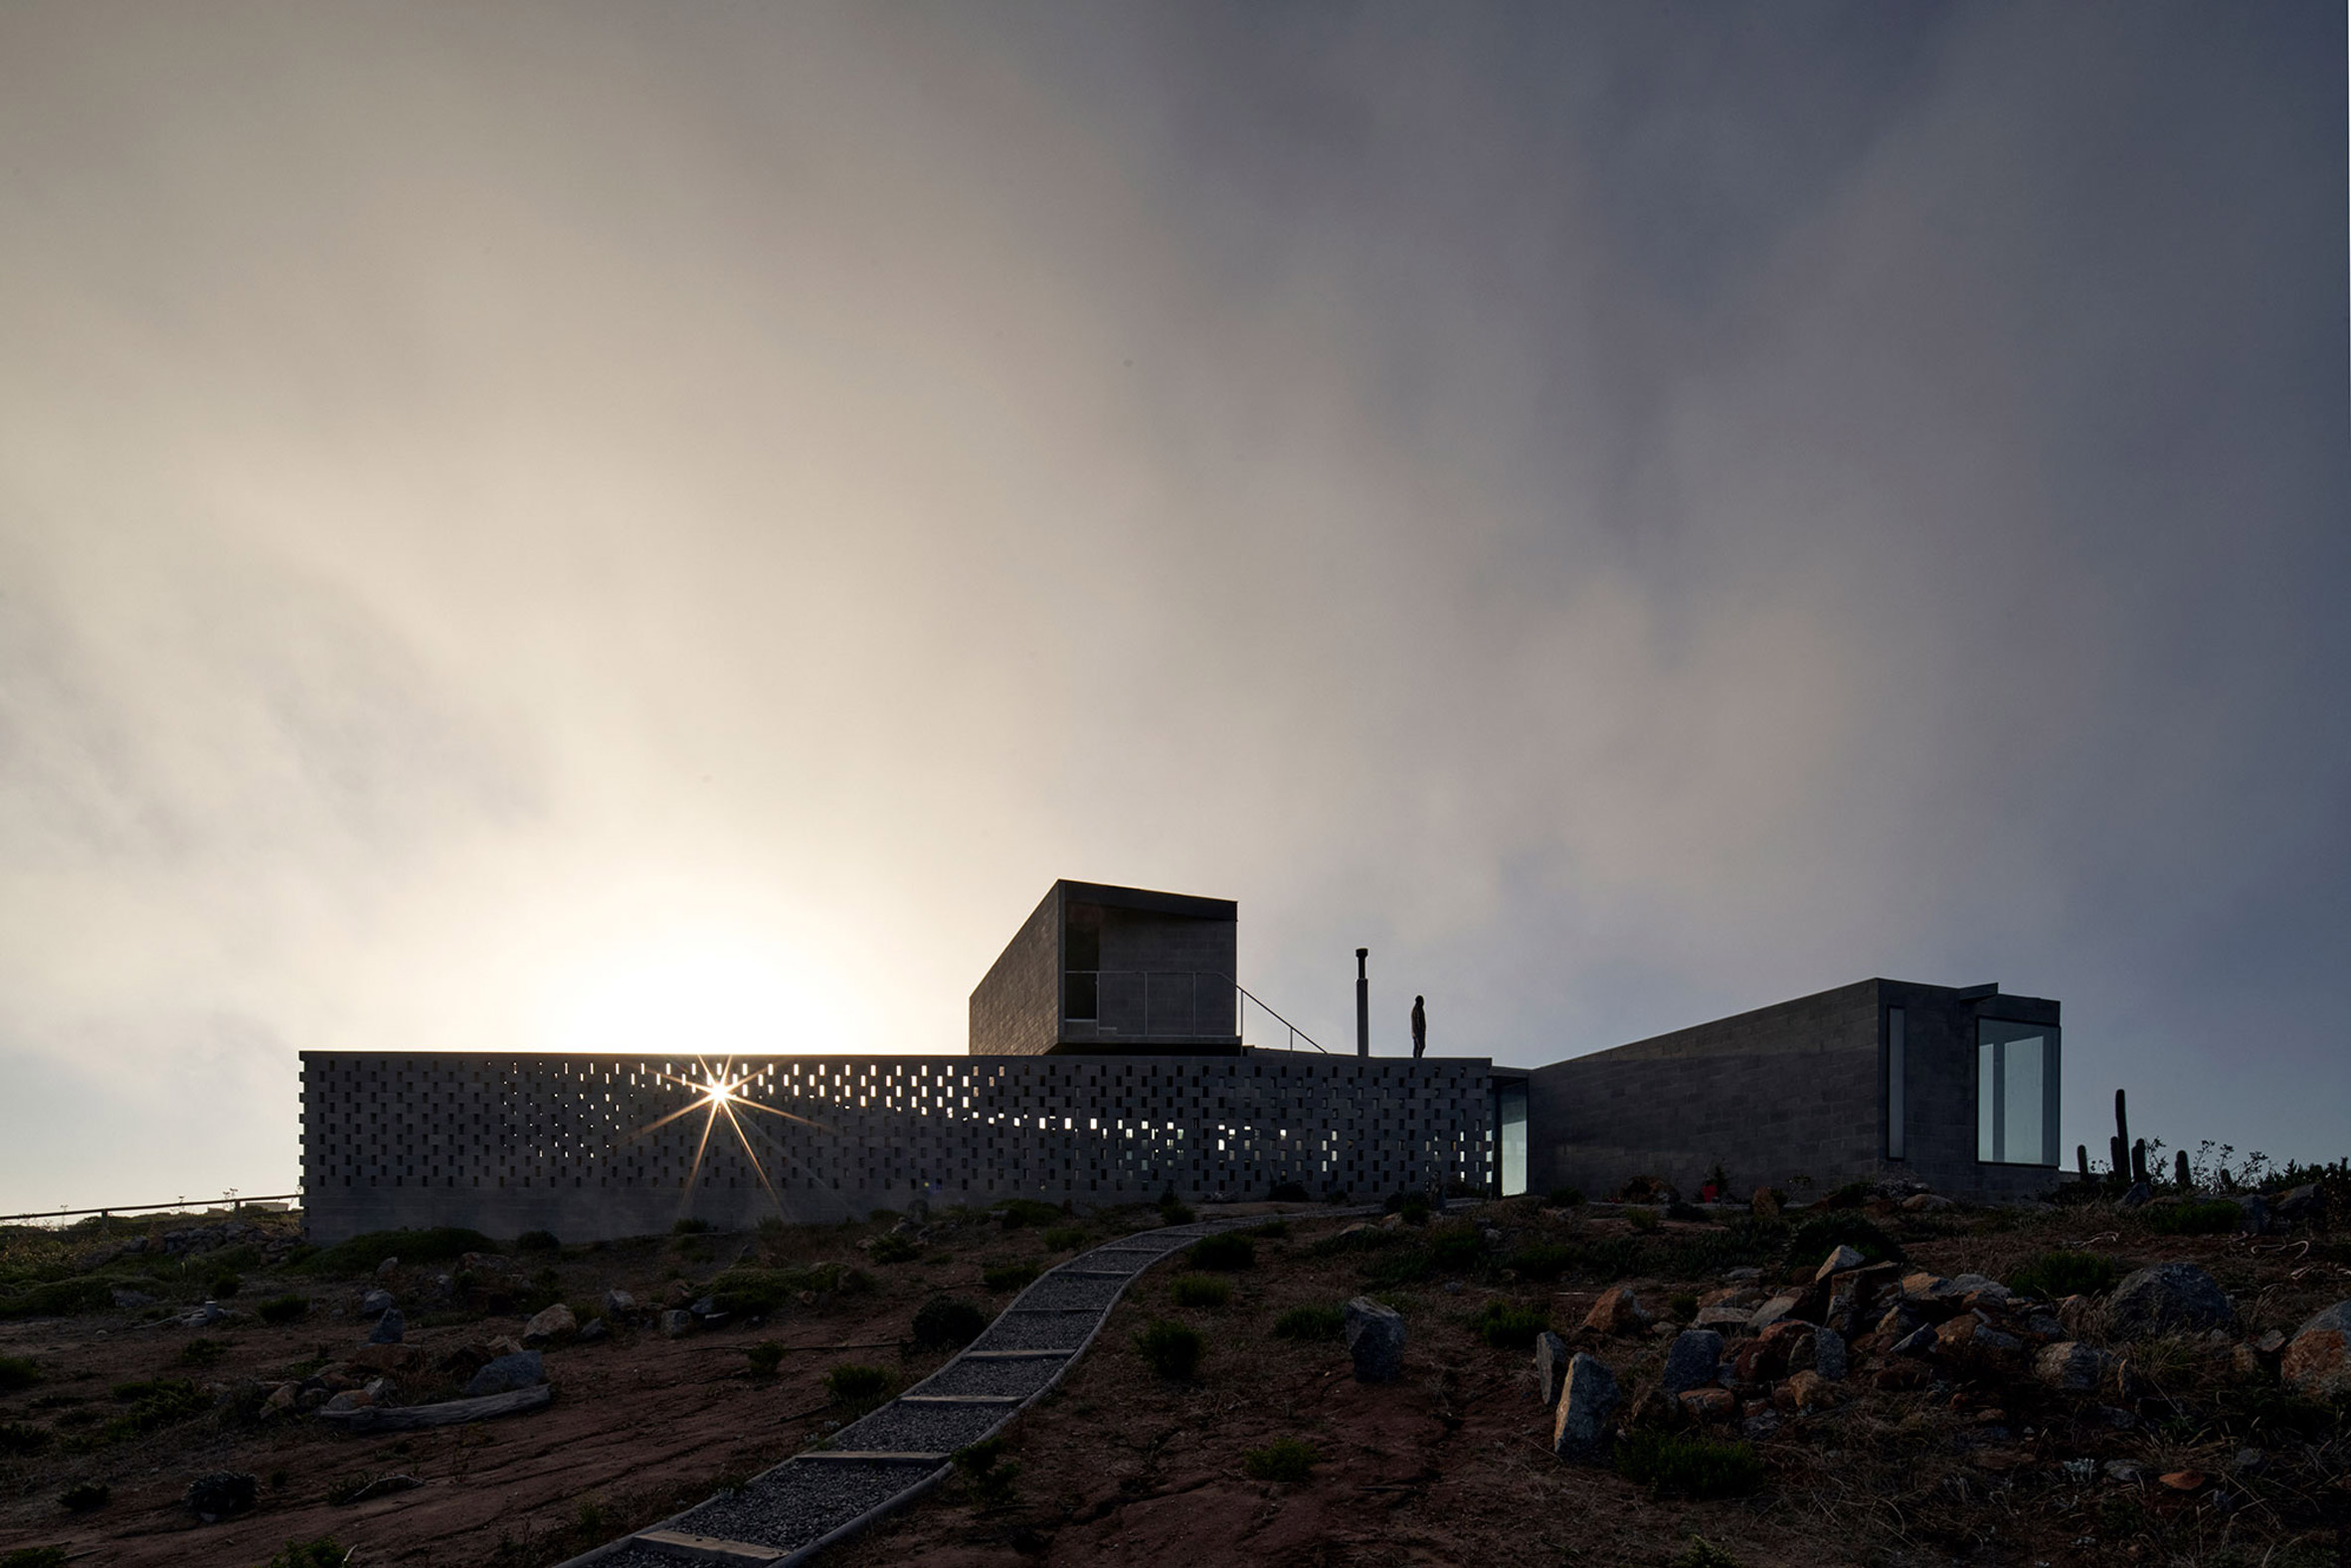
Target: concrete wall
(1797,1089)
(578,1144)
(1165,977)
(1016,1007)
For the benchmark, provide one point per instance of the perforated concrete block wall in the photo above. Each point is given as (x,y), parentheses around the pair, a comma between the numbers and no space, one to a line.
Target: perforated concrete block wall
(599,1146)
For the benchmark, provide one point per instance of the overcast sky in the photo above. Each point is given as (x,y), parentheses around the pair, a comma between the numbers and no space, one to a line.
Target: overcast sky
(667,526)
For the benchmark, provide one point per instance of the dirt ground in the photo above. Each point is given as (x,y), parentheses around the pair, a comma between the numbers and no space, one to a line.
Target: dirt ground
(1450,1465)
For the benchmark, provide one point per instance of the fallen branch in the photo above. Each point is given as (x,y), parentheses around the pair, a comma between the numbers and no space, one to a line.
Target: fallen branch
(450,1413)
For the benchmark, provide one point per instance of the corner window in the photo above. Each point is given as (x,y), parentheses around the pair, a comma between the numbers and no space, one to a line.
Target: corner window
(2016,1092)
(1896,1067)
(1511,1119)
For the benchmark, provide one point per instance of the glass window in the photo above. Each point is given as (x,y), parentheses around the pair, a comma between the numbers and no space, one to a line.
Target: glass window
(2016,1092)
(1512,1113)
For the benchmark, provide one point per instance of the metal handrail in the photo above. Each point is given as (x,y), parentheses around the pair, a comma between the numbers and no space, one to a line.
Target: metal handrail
(1296,1033)
(205,1206)
(1240,1009)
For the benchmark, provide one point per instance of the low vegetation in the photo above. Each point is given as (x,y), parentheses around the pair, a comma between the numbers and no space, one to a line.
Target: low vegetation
(1171,1349)
(947,1322)
(1690,1465)
(1227,1252)
(1311,1324)
(1284,1458)
(1200,1291)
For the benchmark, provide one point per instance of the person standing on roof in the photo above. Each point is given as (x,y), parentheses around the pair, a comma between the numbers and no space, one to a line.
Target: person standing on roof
(1420,1027)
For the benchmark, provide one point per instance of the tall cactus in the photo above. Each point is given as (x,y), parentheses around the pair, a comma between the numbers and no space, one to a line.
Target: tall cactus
(2138,1162)
(2120,1146)
(2081,1160)
(2179,1166)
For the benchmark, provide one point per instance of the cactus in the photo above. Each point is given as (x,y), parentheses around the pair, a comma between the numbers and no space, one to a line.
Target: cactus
(2081,1160)
(2179,1165)
(2118,1147)
(2138,1162)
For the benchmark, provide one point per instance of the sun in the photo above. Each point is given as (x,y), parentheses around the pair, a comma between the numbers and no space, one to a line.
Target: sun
(711,996)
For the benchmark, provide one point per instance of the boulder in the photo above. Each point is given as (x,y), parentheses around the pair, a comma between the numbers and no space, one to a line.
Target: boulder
(551,1326)
(1550,1367)
(389,1328)
(676,1322)
(2167,1298)
(1928,1203)
(348,1399)
(2140,1193)
(1694,1360)
(1899,1323)
(1823,1352)
(593,1331)
(2318,1361)
(1805,1391)
(131,1299)
(1842,1260)
(216,1496)
(281,1401)
(1732,1319)
(388,1268)
(1583,1430)
(1617,1312)
(618,1304)
(2296,1205)
(523,1369)
(1376,1339)
(2073,1367)
(1922,1287)
(1773,1311)
(1709,1404)
(376,1302)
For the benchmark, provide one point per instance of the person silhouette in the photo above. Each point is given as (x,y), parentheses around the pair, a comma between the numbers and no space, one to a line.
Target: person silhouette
(1420,1027)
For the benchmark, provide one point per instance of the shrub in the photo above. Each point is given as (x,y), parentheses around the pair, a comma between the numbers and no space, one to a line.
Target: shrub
(691,1226)
(947,1322)
(1065,1238)
(1226,1252)
(1009,1276)
(222,1286)
(1566,1198)
(750,1293)
(770,1227)
(320,1553)
(1818,1235)
(982,1468)
(894,1249)
(765,1357)
(1271,1230)
(156,1405)
(85,1497)
(17,1372)
(1284,1458)
(1688,1465)
(2211,1217)
(1199,1289)
(1642,1219)
(1683,1306)
(1507,1325)
(1686,1213)
(35,1557)
(283,1309)
(537,1241)
(1405,1266)
(1414,1207)
(201,1351)
(19,1437)
(59,1299)
(364,1253)
(1456,1247)
(2056,1275)
(860,1386)
(1170,1350)
(1542,1261)
(1289,1192)
(1020,1212)
(1174,1214)
(1370,1238)
(1310,1323)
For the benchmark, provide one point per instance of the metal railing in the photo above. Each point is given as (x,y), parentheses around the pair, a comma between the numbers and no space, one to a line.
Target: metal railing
(1086,998)
(232,1201)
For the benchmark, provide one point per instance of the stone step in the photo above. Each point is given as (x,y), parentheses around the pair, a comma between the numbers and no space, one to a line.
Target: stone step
(691,1548)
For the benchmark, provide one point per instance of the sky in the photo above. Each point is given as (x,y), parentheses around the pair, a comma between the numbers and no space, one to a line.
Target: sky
(654,527)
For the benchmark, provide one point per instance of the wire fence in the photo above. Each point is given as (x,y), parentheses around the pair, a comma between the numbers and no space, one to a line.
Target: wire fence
(232,1201)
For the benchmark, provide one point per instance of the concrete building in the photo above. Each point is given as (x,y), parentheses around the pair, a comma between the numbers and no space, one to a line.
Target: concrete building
(1109,970)
(1954,1088)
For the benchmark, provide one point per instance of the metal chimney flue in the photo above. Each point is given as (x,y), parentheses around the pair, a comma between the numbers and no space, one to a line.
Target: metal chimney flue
(1362,1004)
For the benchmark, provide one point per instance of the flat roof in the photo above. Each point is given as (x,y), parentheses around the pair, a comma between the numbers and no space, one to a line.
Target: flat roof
(1145,899)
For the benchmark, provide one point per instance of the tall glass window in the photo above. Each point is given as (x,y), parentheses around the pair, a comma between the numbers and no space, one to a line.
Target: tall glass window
(2016,1092)
(1895,1070)
(1511,1116)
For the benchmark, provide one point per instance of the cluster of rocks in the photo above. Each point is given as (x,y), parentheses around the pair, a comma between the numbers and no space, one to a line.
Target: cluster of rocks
(1755,1360)
(273,1243)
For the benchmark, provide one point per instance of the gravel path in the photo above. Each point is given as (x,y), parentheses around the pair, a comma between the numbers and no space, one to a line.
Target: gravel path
(793,1508)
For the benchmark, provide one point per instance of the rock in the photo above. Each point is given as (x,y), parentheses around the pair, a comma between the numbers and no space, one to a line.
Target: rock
(1694,1360)
(1761,1424)
(2270,1342)
(389,1329)
(1805,1391)
(281,1401)
(2254,1216)
(216,1496)
(1731,1317)
(1830,1356)
(2123,1471)
(1928,1203)
(131,1299)
(2249,1461)
(203,1316)
(523,1369)
(546,1327)
(1376,1339)
(2140,1194)
(2296,1205)
(1764,1205)
(2318,1363)
(1550,1367)
(1842,1260)
(618,1304)
(1746,1273)
(676,1322)
(1969,1334)
(593,1331)
(1709,1404)
(1773,1311)
(388,1268)
(2071,1368)
(2167,1296)
(1925,1286)
(1582,1431)
(376,1302)
(707,1306)
(1922,1342)
(348,1399)
(1899,1323)
(1617,1312)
